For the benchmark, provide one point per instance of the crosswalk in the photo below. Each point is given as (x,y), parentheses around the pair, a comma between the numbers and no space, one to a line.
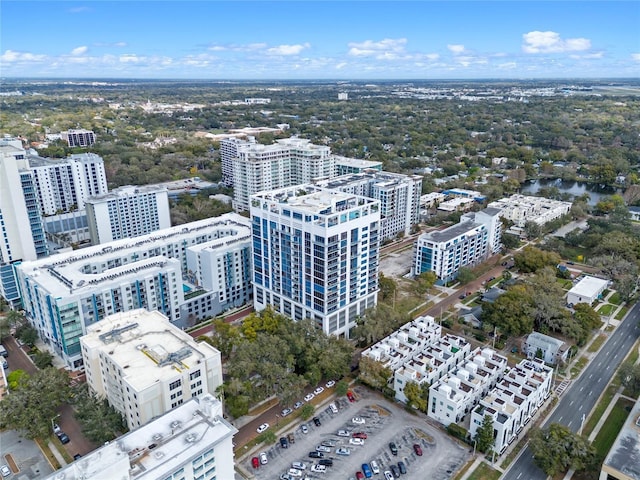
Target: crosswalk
(562,387)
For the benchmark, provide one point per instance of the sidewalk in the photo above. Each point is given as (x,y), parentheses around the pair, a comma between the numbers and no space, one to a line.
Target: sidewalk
(57,454)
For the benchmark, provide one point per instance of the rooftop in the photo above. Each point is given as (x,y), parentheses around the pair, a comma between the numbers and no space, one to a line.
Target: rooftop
(127,191)
(450,233)
(589,286)
(624,455)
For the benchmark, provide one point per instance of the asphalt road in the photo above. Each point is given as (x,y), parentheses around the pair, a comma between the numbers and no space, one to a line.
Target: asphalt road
(582,396)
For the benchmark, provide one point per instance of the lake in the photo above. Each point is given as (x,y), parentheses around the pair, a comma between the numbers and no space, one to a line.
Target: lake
(571,187)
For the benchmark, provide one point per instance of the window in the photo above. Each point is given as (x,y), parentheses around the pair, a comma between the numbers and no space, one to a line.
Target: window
(176,384)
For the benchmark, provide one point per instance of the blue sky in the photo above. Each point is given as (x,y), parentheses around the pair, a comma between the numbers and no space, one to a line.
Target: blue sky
(320,39)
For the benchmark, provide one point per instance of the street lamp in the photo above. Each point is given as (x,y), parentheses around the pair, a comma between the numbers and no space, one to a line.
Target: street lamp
(57,416)
(474,447)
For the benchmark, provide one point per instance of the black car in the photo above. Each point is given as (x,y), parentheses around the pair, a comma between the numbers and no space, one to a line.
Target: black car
(394,470)
(316,455)
(402,468)
(317,421)
(327,462)
(394,448)
(284,443)
(63,437)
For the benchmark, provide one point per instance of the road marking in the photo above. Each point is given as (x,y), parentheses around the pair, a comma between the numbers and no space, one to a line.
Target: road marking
(572,400)
(560,419)
(519,475)
(591,375)
(581,388)
(599,363)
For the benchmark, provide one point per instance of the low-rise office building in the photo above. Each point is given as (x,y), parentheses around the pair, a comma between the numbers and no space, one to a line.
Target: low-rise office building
(191,442)
(549,349)
(145,366)
(453,396)
(587,290)
(514,401)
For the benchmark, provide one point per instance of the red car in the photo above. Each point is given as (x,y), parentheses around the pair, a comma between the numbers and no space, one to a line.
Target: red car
(361,435)
(359,475)
(418,449)
(255,462)
(350,396)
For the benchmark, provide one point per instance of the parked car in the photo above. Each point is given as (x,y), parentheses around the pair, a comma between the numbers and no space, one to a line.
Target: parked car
(358,420)
(316,455)
(322,448)
(366,469)
(297,405)
(328,443)
(356,441)
(343,451)
(262,427)
(294,472)
(394,448)
(327,462)
(318,468)
(318,391)
(317,421)
(299,465)
(291,437)
(418,449)
(374,467)
(359,475)
(4,469)
(309,397)
(255,462)
(304,428)
(402,467)
(286,412)
(361,435)
(351,396)
(333,408)
(63,437)
(284,443)
(263,458)
(343,433)
(394,470)
(388,475)
(330,384)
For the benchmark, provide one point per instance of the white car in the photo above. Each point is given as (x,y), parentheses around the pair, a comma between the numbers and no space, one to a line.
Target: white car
(388,475)
(294,472)
(356,441)
(304,428)
(343,433)
(4,469)
(343,451)
(323,448)
(299,465)
(318,468)
(309,397)
(374,467)
(263,458)
(262,427)
(330,383)
(358,420)
(318,391)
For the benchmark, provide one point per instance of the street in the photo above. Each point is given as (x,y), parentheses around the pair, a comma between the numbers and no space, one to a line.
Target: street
(582,396)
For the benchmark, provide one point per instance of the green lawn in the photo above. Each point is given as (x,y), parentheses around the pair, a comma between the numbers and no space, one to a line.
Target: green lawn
(578,366)
(599,409)
(615,299)
(610,429)
(621,313)
(485,472)
(606,309)
(597,343)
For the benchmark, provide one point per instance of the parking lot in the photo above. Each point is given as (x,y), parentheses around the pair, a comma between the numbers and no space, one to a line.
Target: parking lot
(384,422)
(22,456)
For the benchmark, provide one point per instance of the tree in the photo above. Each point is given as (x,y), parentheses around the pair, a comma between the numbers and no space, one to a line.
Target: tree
(28,335)
(532,230)
(531,259)
(465,275)
(5,327)
(31,406)
(373,373)
(341,388)
(100,422)
(387,287)
(484,435)
(415,396)
(307,410)
(556,449)
(510,241)
(43,359)
(629,375)
(510,312)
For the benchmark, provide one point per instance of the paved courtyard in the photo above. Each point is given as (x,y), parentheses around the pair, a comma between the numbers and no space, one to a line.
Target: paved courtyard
(17,451)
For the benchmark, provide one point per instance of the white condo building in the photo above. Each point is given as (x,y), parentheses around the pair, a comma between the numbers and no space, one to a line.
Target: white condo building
(65,184)
(79,137)
(454,395)
(399,197)
(66,293)
(467,244)
(347,165)
(145,366)
(22,236)
(191,442)
(257,167)
(127,212)
(514,401)
(521,209)
(315,254)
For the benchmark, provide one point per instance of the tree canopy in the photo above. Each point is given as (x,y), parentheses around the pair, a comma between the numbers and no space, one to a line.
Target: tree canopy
(556,449)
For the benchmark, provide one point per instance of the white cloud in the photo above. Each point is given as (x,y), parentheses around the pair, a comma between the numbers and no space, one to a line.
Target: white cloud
(456,49)
(432,56)
(288,49)
(507,66)
(588,56)
(393,46)
(10,56)
(79,50)
(341,65)
(636,57)
(130,58)
(551,42)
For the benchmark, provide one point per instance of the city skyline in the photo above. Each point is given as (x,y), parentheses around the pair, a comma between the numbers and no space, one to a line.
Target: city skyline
(320,40)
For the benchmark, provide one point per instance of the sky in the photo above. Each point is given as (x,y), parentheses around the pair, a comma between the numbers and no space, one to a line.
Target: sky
(294,40)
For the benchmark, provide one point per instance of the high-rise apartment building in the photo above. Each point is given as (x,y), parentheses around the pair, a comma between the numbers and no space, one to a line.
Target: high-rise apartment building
(65,184)
(22,235)
(127,212)
(347,165)
(315,254)
(66,293)
(399,197)
(257,167)
(228,151)
(145,366)
(191,442)
(467,244)
(79,137)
